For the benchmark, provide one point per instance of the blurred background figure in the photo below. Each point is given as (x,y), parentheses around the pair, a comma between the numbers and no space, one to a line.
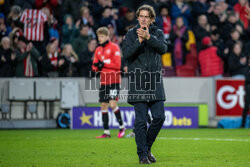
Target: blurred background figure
(86,59)
(178,37)
(7,59)
(211,64)
(4,28)
(27,57)
(237,62)
(69,30)
(49,60)
(68,62)
(163,21)
(80,43)
(180,9)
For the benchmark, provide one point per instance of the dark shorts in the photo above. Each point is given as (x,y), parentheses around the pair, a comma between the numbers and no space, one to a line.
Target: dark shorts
(109,92)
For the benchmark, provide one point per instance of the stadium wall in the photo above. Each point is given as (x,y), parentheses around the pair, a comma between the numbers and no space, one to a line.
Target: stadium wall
(179,92)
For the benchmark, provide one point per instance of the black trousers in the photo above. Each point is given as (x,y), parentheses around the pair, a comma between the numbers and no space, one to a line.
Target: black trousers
(144,136)
(247,103)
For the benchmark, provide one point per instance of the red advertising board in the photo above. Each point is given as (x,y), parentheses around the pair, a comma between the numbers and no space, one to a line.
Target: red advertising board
(229,97)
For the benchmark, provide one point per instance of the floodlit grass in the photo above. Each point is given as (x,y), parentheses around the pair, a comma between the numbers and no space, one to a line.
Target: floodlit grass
(173,148)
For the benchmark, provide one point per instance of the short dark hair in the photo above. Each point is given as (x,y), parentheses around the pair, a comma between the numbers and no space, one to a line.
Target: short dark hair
(148,8)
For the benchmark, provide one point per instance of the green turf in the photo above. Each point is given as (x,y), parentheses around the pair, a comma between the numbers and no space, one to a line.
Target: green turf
(66,148)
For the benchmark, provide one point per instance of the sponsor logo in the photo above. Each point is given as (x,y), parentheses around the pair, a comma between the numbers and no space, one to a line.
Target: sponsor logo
(91,117)
(229,97)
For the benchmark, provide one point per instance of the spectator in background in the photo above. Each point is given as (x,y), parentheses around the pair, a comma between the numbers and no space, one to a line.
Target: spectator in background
(237,62)
(211,64)
(201,7)
(34,28)
(24,4)
(7,58)
(49,60)
(224,6)
(86,18)
(127,22)
(69,30)
(234,38)
(163,21)
(218,42)
(27,58)
(68,62)
(14,17)
(15,33)
(113,36)
(51,25)
(73,8)
(217,17)
(240,9)
(107,17)
(4,28)
(232,22)
(178,38)
(180,9)
(86,59)
(201,30)
(98,8)
(80,43)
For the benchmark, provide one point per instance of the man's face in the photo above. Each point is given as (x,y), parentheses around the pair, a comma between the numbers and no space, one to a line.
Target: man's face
(21,44)
(5,43)
(144,18)
(92,45)
(217,10)
(102,38)
(202,20)
(130,16)
(84,31)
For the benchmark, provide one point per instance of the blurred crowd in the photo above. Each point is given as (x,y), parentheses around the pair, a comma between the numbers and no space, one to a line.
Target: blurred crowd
(57,38)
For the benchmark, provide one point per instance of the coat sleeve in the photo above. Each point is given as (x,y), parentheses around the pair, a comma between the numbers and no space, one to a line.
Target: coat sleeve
(234,64)
(129,47)
(35,53)
(158,43)
(94,68)
(21,56)
(115,61)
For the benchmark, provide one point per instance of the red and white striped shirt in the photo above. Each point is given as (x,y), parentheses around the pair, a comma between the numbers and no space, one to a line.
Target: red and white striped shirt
(33,20)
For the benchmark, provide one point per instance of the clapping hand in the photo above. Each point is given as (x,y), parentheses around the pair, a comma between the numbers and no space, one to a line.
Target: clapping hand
(143,33)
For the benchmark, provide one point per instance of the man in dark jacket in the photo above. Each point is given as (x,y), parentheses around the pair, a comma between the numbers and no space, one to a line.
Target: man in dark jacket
(247,97)
(142,48)
(7,59)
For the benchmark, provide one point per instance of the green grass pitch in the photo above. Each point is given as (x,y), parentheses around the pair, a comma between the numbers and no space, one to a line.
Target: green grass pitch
(79,148)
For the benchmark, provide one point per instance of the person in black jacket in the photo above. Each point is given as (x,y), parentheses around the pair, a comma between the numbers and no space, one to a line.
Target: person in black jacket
(247,90)
(7,59)
(237,62)
(86,59)
(142,48)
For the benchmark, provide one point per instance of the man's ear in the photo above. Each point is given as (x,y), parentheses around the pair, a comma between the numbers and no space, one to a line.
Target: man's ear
(152,21)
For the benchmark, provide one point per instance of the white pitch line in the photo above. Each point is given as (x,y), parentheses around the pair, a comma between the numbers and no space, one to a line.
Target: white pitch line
(203,139)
